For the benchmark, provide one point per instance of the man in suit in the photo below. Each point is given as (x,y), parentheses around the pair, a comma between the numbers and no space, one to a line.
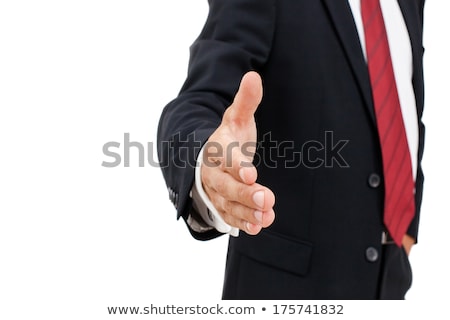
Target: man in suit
(312,104)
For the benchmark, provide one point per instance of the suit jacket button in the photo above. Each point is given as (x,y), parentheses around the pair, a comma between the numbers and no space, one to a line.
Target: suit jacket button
(374,180)
(372,254)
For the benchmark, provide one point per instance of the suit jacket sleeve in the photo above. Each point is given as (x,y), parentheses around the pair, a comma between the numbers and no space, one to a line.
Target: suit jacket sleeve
(236,38)
(418,82)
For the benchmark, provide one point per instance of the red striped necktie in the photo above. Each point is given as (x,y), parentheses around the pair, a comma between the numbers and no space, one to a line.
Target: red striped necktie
(399,204)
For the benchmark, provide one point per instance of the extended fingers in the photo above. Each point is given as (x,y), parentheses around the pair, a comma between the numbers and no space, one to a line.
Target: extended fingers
(240,216)
(254,196)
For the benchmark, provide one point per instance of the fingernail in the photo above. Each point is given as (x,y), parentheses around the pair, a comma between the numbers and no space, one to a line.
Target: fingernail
(241,174)
(250,226)
(258,198)
(258,216)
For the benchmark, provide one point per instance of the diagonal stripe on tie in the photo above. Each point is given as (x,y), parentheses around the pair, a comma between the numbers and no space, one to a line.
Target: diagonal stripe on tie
(399,206)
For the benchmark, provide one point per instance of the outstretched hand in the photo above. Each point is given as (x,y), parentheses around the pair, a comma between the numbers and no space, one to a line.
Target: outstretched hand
(228,175)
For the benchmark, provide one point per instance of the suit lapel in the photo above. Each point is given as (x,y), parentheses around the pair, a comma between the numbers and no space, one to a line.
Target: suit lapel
(342,18)
(412,19)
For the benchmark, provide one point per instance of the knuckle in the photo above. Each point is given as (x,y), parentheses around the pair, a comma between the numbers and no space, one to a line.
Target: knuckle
(228,218)
(209,192)
(221,186)
(224,216)
(228,112)
(214,198)
(227,207)
(241,192)
(205,176)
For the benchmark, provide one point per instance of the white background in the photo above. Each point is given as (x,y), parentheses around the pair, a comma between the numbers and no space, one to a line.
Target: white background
(76,237)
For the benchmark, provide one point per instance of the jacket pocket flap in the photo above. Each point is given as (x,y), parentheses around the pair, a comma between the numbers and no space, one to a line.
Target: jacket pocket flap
(275,250)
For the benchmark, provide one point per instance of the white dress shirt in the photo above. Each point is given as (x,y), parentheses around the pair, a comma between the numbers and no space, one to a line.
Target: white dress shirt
(401,55)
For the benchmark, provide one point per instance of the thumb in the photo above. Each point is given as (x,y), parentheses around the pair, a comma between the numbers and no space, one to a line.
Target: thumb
(247,98)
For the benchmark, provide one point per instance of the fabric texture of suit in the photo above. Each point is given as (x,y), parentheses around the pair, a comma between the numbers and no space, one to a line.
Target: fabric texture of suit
(316,88)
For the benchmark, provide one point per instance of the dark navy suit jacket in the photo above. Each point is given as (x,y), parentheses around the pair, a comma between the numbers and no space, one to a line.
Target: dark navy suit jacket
(329,201)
